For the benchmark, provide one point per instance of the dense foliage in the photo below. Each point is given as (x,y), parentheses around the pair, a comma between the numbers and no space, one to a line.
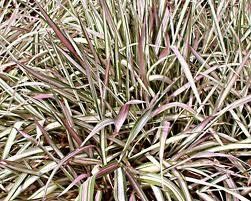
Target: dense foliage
(125,100)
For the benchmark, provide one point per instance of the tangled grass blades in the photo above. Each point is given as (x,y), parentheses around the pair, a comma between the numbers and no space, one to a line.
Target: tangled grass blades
(124,100)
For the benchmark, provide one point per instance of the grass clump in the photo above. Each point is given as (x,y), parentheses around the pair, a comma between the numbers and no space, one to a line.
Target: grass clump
(125,100)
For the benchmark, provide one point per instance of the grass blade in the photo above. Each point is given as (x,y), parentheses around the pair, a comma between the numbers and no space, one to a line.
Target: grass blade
(187,72)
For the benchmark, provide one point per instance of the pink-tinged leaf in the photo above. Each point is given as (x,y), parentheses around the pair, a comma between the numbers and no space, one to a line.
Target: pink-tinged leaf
(68,123)
(62,162)
(43,96)
(152,18)
(106,79)
(57,31)
(25,135)
(170,105)
(231,184)
(72,132)
(154,100)
(164,52)
(98,196)
(165,132)
(132,197)
(123,114)
(107,169)
(7,67)
(196,40)
(107,70)
(163,136)
(74,182)
(187,72)
(141,59)
(203,124)
(49,140)
(121,117)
